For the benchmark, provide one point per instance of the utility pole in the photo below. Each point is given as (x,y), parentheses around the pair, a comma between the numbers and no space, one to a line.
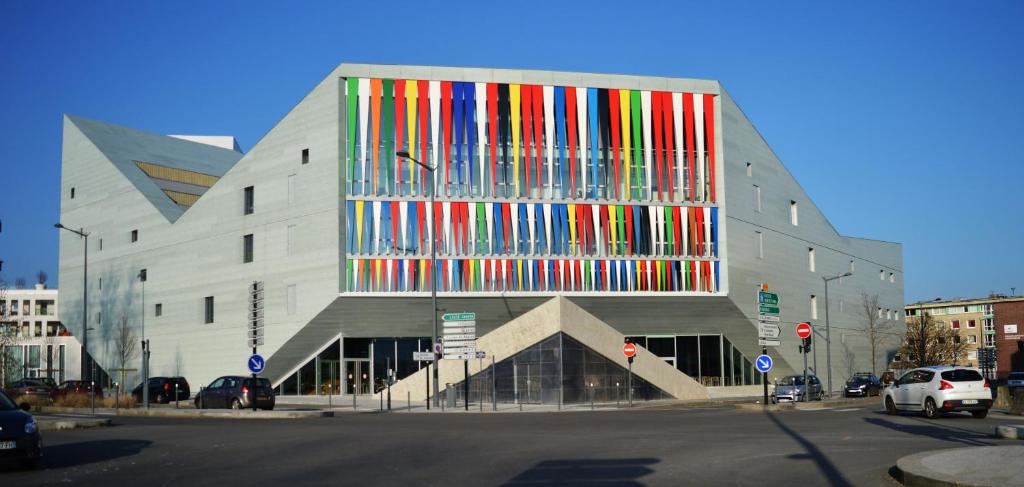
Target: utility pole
(828,335)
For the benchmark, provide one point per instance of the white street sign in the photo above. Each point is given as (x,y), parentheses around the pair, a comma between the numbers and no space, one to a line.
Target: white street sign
(459,349)
(423,356)
(769,342)
(768,330)
(256,342)
(455,324)
(460,356)
(768,318)
(460,331)
(449,346)
(465,336)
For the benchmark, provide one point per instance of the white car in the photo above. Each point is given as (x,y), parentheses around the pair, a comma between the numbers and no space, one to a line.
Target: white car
(940,389)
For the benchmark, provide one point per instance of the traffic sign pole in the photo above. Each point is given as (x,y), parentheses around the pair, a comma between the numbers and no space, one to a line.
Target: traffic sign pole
(764,378)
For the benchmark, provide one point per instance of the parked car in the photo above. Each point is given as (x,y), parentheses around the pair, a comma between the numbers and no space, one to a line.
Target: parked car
(48,381)
(236,392)
(1015,381)
(30,388)
(863,385)
(19,436)
(164,390)
(940,389)
(791,388)
(74,387)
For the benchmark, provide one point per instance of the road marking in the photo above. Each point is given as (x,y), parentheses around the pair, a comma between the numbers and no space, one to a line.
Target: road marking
(846,410)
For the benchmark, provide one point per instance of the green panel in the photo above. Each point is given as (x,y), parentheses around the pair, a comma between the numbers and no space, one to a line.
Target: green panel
(352,108)
(387,127)
(670,236)
(638,154)
(481,226)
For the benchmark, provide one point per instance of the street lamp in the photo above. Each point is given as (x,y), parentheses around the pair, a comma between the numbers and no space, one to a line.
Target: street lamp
(85,296)
(145,345)
(433,270)
(828,336)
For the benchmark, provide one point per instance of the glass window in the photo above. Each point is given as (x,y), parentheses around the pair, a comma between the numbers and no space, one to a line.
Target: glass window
(135,235)
(688,356)
(291,297)
(209,309)
(727,362)
(711,360)
(794,217)
(158,309)
(810,259)
(757,198)
(760,245)
(248,202)
(662,346)
(290,236)
(307,378)
(814,307)
(305,156)
(216,384)
(247,248)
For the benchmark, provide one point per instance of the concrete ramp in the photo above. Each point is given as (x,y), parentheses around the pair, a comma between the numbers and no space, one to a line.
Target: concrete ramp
(556,315)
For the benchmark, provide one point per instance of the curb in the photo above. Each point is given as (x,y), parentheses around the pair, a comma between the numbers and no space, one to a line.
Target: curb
(229,414)
(69,424)
(921,469)
(1010,432)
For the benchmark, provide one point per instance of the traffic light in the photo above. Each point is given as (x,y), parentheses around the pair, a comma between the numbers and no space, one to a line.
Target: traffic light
(805,346)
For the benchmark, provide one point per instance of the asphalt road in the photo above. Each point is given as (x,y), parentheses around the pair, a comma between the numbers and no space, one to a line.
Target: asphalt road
(713,446)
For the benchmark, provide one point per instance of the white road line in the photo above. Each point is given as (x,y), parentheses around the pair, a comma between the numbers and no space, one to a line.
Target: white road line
(846,410)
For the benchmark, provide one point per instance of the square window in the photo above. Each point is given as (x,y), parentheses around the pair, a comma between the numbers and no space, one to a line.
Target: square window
(135,235)
(247,249)
(248,200)
(955,324)
(305,156)
(158,309)
(208,301)
(972,324)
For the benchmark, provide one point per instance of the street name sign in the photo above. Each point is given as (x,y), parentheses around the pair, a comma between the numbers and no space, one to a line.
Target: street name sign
(768,318)
(768,330)
(459,317)
(768,309)
(769,342)
(423,356)
(765,297)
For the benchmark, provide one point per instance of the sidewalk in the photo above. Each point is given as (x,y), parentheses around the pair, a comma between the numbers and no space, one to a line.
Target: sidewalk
(58,422)
(976,466)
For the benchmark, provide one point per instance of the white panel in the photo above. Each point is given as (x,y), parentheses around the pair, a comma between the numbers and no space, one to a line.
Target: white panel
(489,214)
(435,119)
(481,132)
(581,136)
(596,219)
(707,232)
(376,243)
(531,224)
(429,223)
(677,121)
(549,133)
(451,273)
(645,103)
(698,128)
(390,266)
(514,213)
(547,224)
(630,269)
(493,276)
(403,219)
(656,227)
(472,229)
(446,221)
(364,122)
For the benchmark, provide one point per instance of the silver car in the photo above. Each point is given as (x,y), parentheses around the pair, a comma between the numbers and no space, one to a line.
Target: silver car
(791,389)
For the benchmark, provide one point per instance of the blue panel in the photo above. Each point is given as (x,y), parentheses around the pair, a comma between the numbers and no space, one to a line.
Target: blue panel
(470,90)
(561,143)
(499,236)
(350,225)
(457,107)
(592,111)
(524,229)
(714,231)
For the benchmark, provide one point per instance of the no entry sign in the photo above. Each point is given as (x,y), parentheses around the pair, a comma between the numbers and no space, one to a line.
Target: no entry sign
(803,330)
(629,350)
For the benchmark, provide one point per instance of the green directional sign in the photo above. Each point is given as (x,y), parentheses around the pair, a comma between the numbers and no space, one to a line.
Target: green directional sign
(765,297)
(459,317)
(768,309)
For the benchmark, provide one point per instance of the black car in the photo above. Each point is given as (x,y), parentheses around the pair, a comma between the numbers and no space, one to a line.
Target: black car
(19,436)
(30,388)
(236,392)
(163,390)
(862,385)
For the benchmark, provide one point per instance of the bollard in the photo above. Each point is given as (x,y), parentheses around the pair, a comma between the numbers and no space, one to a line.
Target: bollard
(591,396)
(202,398)
(176,392)
(408,401)
(353,400)
(117,397)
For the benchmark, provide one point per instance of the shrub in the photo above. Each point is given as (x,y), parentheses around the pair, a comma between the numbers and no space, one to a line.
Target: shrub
(85,401)
(34,401)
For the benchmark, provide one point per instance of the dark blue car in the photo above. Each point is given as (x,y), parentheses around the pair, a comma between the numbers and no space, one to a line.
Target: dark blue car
(20,441)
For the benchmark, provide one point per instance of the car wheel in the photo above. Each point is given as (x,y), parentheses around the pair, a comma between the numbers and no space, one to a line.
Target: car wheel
(890,407)
(198,403)
(161,399)
(979,414)
(236,404)
(930,410)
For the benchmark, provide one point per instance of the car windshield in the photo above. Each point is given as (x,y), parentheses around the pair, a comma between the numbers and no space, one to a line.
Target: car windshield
(260,381)
(6,404)
(860,380)
(793,380)
(961,375)
(1016,376)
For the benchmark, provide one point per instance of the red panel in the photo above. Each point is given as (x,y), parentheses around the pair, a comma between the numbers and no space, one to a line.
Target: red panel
(526,101)
(457,228)
(628,213)
(656,114)
(394,226)
(444,275)
(492,120)
(669,130)
(576,272)
(399,128)
(699,219)
(508,275)
(604,224)
(439,224)
(506,219)
(570,110)
(690,150)
(613,107)
(446,118)
(538,128)
(677,226)
(421,215)
(422,91)
(709,124)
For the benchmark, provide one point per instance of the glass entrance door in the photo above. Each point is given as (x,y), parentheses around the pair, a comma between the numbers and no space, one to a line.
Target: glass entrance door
(357,377)
(330,372)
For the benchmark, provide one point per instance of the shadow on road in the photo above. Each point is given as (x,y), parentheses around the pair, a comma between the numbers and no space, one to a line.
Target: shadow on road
(603,472)
(953,435)
(827,468)
(86,452)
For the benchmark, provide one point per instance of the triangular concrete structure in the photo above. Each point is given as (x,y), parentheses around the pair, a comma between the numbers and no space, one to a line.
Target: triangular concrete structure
(558,314)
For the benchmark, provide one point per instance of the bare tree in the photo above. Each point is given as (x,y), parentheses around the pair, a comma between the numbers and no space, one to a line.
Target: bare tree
(8,339)
(20,283)
(125,343)
(877,329)
(928,342)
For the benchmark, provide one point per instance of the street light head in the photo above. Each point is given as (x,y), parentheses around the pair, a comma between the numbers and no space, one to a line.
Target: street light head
(58,225)
(848,274)
(402,153)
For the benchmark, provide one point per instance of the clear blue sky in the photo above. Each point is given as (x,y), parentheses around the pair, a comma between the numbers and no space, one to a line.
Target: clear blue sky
(903,120)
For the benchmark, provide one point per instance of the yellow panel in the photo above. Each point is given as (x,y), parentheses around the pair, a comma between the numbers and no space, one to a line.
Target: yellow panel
(180,198)
(176,175)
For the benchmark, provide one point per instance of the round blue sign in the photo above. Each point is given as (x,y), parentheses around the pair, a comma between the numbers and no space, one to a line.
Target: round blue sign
(256,363)
(763,363)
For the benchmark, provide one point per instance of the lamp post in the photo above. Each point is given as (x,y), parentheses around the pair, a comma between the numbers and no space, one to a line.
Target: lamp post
(85,296)
(828,336)
(145,346)
(433,270)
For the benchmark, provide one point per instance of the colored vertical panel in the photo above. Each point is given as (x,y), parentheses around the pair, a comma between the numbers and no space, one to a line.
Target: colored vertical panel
(667,129)
(396,218)
(446,135)
(375,95)
(573,129)
(627,142)
(399,131)
(629,238)
(677,127)
(613,113)
(359,224)
(679,231)
(698,128)
(352,110)
(620,222)
(527,111)
(481,135)
(538,104)
(410,118)
(690,145)
(364,124)
(714,232)
(492,126)
(422,96)
(458,112)
(590,109)
(645,105)
(559,109)
(657,136)
(387,128)
(506,221)
(572,229)
(637,108)
(515,109)
(436,144)
(709,124)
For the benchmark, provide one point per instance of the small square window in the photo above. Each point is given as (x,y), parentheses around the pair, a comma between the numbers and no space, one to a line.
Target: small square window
(72,192)
(158,309)
(305,156)
(135,235)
